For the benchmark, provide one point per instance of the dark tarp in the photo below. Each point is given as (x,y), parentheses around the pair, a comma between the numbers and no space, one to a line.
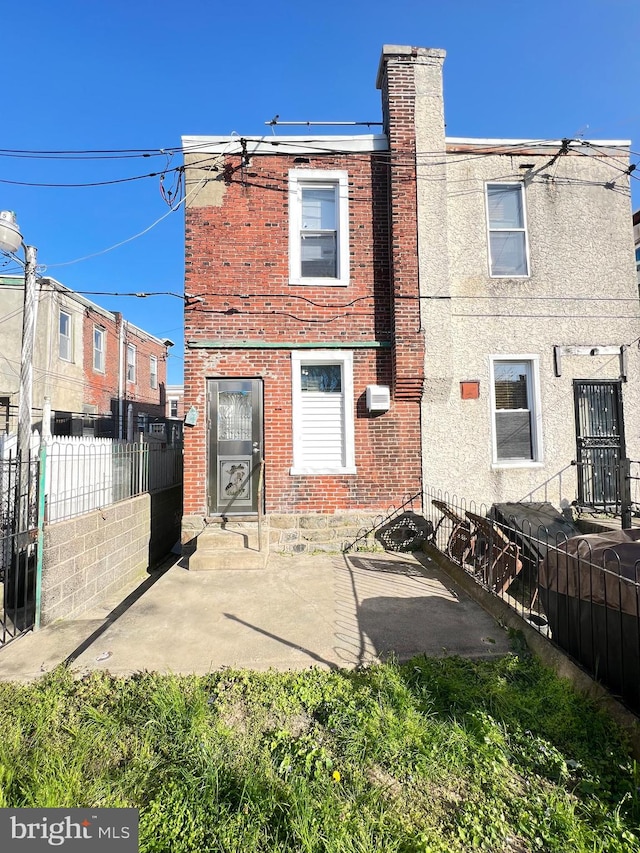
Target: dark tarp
(590,595)
(603,568)
(541,526)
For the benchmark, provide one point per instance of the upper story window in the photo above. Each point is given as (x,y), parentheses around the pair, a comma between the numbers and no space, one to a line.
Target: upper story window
(153,371)
(318,227)
(516,411)
(131,363)
(173,408)
(98,349)
(506,218)
(64,336)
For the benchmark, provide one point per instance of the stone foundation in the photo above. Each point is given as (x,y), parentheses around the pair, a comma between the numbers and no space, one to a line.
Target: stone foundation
(309,533)
(299,534)
(316,532)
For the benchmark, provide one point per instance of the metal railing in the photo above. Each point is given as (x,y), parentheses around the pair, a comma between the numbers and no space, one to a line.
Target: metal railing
(84,475)
(581,592)
(609,488)
(400,528)
(19,546)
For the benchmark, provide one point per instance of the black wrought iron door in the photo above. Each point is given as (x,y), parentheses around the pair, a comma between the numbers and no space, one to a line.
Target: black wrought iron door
(234,445)
(600,441)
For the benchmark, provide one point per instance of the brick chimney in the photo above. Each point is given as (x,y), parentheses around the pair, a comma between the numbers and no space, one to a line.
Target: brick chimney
(410,79)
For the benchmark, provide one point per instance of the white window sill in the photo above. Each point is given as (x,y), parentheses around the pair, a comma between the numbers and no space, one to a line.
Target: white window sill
(511,276)
(314,472)
(320,282)
(516,463)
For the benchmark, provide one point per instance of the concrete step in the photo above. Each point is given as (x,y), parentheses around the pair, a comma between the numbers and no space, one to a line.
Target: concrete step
(232,546)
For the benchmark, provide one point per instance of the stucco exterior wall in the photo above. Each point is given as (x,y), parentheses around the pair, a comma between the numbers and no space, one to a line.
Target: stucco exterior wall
(53,377)
(11,299)
(581,291)
(59,379)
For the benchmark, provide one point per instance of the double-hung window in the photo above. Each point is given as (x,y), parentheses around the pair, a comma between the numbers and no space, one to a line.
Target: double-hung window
(515,401)
(153,371)
(323,431)
(64,336)
(506,218)
(98,349)
(131,363)
(318,227)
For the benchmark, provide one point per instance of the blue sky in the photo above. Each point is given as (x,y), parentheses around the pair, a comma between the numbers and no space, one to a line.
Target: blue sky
(117,75)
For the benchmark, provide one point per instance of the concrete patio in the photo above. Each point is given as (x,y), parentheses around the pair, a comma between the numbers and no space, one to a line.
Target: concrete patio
(329,611)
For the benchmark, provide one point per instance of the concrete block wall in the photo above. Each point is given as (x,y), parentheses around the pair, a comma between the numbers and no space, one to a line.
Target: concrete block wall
(87,558)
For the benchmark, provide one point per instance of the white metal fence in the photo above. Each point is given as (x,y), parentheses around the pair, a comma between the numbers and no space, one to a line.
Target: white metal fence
(84,474)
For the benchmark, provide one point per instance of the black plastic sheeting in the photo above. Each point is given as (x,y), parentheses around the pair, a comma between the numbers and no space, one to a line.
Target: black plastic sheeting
(534,527)
(590,593)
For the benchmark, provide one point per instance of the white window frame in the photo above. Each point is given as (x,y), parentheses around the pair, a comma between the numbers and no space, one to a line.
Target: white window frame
(99,351)
(523,230)
(345,359)
(173,401)
(131,364)
(153,372)
(298,180)
(535,407)
(68,339)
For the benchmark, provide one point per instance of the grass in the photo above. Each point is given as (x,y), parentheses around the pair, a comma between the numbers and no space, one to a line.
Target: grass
(435,756)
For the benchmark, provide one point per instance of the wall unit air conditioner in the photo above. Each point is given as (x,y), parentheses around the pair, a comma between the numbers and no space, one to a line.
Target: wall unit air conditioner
(378,398)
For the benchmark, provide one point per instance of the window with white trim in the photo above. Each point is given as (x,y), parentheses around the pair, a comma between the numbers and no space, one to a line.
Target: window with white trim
(98,348)
(515,404)
(173,407)
(131,363)
(64,336)
(153,371)
(506,220)
(323,422)
(318,227)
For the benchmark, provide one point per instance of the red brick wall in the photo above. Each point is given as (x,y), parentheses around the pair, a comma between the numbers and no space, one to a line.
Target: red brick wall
(101,389)
(237,263)
(398,98)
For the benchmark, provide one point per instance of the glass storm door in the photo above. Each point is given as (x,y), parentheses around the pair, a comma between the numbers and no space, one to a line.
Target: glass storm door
(235,445)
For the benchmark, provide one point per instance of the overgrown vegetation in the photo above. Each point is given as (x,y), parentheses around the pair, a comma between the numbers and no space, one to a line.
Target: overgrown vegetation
(434,756)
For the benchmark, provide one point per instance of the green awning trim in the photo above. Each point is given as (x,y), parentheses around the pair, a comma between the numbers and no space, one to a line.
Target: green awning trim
(210,344)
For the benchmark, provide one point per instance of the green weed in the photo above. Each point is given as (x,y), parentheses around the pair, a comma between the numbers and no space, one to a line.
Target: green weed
(433,756)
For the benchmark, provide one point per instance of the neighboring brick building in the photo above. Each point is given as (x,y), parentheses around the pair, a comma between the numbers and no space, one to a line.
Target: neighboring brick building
(303,343)
(90,363)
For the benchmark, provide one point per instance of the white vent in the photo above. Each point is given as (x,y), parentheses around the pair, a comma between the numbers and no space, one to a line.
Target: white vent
(378,398)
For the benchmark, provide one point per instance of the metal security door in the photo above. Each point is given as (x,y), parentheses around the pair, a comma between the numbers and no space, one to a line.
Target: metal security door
(600,441)
(235,445)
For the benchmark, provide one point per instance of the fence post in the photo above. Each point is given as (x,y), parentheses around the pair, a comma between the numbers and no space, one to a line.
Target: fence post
(625,492)
(40,541)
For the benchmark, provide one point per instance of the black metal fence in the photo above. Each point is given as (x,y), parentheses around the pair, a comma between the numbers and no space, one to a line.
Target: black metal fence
(581,591)
(19,486)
